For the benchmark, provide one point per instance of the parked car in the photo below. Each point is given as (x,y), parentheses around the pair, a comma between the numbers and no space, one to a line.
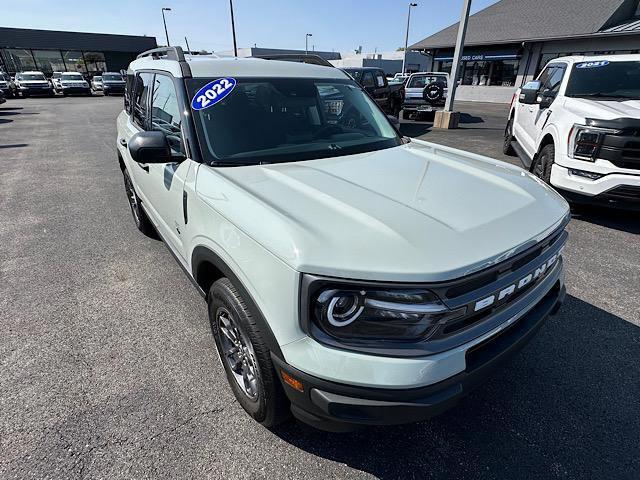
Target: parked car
(425,92)
(2,97)
(7,86)
(73,82)
(96,83)
(353,277)
(577,127)
(55,81)
(399,78)
(33,83)
(112,82)
(373,80)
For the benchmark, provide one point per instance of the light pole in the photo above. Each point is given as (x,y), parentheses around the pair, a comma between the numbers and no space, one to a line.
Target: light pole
(306,43)
(233,30)
(406,37)
(164,20)
(457,54)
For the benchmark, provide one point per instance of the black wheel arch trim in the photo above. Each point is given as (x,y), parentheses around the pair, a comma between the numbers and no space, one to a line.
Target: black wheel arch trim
(203,254)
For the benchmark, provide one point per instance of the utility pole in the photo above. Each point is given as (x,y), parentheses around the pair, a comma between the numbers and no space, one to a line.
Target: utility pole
(462,31)
(306,43)
(164,20)
(233,30)
(406,37)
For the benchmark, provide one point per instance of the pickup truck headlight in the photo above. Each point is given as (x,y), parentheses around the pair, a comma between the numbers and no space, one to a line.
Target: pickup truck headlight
(584,141)
(379,314)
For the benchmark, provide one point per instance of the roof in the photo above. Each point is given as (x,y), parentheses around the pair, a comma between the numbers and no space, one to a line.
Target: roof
(630,26)
(58,40)
(213,67)
(526,20)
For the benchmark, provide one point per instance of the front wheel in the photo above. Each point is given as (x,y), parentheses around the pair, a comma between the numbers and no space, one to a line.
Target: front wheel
(542,164)
(139,216)
(245,356)
(507,147)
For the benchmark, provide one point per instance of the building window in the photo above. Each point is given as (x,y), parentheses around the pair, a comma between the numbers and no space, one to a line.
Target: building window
(74,61)
(445,66)
(504,72)
(20,60)
(95,62)
(49,61)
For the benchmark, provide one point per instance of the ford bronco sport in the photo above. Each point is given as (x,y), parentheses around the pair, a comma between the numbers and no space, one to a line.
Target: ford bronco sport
(353,277)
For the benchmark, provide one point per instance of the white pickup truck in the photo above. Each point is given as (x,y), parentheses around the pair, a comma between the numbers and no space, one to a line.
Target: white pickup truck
(577,127)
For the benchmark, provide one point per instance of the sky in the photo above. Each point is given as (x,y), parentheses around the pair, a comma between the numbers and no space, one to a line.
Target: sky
(336,25)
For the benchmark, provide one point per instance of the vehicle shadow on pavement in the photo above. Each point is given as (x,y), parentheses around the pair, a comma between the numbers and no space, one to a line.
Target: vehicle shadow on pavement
(14,145)
(566,406)
(5,120)
(608,217)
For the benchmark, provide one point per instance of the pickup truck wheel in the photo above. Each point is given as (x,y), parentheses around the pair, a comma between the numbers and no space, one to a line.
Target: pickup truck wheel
(542,165)
(139,216)
(507,148)
(245,356)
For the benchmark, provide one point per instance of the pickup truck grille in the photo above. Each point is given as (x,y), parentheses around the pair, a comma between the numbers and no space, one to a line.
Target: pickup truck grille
(622,150)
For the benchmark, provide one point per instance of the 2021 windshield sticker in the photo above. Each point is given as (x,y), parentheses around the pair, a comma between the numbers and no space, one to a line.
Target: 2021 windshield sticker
(600,63)
(212,93)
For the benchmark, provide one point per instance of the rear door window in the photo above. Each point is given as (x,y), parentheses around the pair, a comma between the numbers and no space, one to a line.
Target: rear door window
(367,80)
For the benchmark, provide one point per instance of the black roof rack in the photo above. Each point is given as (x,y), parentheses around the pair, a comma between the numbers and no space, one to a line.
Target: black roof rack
(172,53)
(169,53)
(297,57)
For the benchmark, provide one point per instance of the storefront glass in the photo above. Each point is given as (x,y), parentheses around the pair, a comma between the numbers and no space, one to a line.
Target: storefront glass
(95,62)
(49,61)
(20,60)
(74,61)
(484,72)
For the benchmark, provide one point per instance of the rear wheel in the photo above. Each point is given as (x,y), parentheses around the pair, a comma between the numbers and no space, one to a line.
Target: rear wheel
(139,216)
(507,147)
(544,160)
(245,356)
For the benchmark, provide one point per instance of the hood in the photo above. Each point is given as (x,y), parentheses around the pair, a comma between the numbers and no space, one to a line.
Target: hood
(417,212)
(603,109)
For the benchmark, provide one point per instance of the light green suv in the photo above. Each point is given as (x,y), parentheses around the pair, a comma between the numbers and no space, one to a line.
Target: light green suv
(353,276)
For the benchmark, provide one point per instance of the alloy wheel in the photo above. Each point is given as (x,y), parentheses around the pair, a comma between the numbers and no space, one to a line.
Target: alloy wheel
(237,353)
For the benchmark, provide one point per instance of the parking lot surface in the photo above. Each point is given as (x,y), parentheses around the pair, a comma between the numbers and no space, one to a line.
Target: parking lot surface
(108,368)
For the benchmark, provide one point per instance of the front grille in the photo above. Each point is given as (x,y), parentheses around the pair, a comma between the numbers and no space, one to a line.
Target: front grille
(627,193)
(622,150)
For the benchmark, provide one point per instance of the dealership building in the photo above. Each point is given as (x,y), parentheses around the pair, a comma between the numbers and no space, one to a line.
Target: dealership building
(52,51)
(508,43)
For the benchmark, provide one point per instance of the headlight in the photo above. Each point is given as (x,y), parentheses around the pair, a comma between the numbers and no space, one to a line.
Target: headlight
(584,142)
(379,314)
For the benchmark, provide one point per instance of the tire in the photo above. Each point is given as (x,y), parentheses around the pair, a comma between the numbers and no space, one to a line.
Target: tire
(140,218)
(245,356)
(106,94)
(541,167)
(507,148)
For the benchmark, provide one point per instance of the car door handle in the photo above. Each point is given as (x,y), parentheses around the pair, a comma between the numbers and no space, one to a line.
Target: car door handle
(123,142)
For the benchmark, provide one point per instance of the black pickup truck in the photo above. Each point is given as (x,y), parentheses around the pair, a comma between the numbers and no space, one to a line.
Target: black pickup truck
(374,81)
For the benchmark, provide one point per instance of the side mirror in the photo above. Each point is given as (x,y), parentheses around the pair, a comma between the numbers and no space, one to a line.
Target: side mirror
(150,147)
(394,121)
(529,93)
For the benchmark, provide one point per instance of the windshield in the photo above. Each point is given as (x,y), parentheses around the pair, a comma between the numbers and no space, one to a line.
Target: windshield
(291,119)
(32,76)
(112,77)
(72,76)
(605,79)
(421,81)
(97,79)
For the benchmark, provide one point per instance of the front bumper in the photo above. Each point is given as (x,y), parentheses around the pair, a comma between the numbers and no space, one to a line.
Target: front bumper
(621,190)
(334,406)
(113,89)
(36,90)
(67,90)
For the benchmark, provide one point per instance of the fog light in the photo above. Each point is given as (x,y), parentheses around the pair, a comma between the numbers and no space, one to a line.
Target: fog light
(582,173)
(292,382)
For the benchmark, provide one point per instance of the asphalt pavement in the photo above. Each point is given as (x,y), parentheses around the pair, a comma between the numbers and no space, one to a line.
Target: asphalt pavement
(108,368)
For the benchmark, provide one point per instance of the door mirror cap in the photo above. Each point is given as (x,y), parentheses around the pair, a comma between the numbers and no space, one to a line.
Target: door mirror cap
(529,93)
(150,147)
